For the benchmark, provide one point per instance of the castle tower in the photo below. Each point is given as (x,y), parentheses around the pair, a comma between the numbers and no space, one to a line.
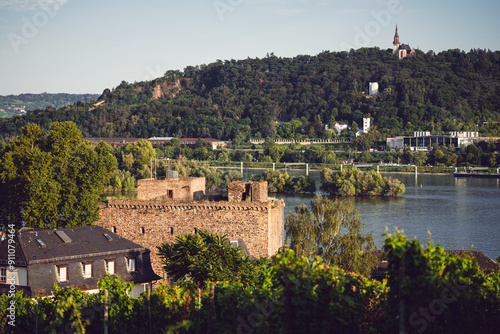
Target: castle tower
(396,40)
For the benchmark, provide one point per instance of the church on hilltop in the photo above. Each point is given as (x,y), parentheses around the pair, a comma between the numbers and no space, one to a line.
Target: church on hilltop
(402,50)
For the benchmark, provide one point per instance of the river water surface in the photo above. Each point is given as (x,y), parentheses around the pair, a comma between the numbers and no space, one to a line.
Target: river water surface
(460,213)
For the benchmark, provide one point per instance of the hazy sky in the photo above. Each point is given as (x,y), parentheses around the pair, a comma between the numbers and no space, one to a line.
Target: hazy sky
(85,46)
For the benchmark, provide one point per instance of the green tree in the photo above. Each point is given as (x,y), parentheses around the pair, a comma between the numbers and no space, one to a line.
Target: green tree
(332,231)
(363,142)
(275,153)
(492,146)
(451,159)
(420,158)
(205,256)
(223,155)
(53,180)
(143,153)
(492,160)
(407,155)
(330,157)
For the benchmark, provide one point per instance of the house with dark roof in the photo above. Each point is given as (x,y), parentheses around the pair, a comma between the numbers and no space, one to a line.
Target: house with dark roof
(72,257)
(486,264)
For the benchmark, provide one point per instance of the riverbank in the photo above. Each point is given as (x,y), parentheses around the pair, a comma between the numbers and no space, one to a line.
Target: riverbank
(318,167)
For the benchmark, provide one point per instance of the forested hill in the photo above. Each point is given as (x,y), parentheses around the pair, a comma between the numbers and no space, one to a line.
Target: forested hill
(11,105)
(449,91)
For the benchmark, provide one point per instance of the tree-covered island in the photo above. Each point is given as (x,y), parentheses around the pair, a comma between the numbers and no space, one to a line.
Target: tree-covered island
(353,182)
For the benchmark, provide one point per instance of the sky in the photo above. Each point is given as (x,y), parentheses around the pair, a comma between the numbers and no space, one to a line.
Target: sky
(86,46)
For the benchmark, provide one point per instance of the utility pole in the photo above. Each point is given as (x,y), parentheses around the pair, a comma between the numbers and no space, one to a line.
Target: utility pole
(106,311)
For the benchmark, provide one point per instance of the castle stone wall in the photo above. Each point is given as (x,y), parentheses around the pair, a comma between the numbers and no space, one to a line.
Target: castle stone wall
(275,223)
(152,223)
(176,189)
(244,191)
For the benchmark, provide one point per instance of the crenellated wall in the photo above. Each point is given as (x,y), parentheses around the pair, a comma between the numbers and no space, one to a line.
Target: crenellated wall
(152,223)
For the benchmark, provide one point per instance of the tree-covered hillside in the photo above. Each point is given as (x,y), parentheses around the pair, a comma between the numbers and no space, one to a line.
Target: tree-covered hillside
(11,105)
(449,91)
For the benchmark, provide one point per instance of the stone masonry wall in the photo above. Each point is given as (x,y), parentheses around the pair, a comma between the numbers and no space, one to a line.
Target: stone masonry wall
(244,191)
(152,223)
(181,189)
(276,227)
(259,190)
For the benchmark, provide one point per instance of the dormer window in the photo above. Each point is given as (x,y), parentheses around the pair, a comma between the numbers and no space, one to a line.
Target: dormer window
(87,269)
(62,273)
(131,264)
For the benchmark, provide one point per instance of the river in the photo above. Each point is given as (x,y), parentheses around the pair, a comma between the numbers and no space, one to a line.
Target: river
(460,213)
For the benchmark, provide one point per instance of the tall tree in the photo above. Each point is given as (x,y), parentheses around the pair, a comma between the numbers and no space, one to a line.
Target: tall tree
(332,231)
(53,180)
(143,154)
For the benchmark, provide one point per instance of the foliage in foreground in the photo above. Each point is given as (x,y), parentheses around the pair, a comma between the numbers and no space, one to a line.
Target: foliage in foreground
(434,292)
(427,291)
(205,256)
(352,182)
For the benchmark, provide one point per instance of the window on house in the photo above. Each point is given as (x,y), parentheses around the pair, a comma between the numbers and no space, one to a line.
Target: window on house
(62,273)
(87,269)
(3,275)
(113,229)
(110,267)
(131,264)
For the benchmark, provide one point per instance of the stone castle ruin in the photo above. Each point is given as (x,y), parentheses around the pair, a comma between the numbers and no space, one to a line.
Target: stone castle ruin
(174,206)
(172,189)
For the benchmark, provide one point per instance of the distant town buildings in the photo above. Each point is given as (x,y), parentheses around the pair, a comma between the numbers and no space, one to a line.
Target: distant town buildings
(423,139)
(215,143)
(158,141)
(339,127)
(402,50)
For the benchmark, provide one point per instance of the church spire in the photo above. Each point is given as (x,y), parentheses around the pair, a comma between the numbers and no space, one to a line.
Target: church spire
(396,37)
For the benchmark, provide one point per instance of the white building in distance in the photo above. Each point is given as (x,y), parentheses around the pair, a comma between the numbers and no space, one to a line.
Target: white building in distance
(366,124)
(339,126)
(373,88)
